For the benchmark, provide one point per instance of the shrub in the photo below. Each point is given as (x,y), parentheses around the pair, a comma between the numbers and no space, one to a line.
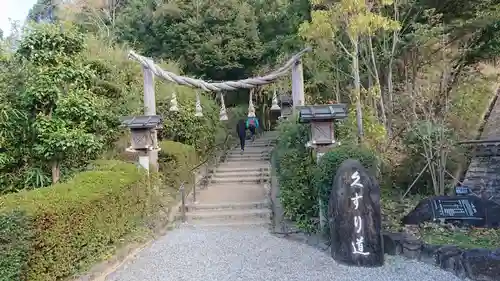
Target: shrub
(327,168)
(176,162)
(301,180)
(14,246)
(54,232)
(294,165)
(183,126)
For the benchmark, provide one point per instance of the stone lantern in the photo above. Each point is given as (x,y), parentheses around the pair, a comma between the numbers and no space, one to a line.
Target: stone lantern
(321,118)
(143,135)
(286,104)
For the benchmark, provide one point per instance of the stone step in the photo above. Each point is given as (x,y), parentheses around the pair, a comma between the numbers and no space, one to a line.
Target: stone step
(227,206)
(246,160)
(260,142)
(250,179)
(231,192)
(240,215)
(237,169)
(219,223)
(253,149)
(247,156)
(229,174)
(258,145)
(248,152)
(244,165)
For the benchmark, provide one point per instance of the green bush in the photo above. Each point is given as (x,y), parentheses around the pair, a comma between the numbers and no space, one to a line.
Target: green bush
(301,180)
(14,245)
(183,126)
(327,168)
(294,166)
(54,232)
(176,161)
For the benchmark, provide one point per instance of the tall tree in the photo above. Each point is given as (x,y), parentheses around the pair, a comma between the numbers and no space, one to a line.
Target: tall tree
(217,40)
(347,22)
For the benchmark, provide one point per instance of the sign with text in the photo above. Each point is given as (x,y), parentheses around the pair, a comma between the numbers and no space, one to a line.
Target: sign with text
(456,208)
(355,217)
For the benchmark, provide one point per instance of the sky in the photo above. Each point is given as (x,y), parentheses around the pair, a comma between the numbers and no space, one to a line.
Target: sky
(16,10)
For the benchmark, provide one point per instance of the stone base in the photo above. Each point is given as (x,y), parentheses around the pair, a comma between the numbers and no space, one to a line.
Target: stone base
(475,264)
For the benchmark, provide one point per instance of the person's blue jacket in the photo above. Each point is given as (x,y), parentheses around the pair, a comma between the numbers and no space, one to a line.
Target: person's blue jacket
(256,122)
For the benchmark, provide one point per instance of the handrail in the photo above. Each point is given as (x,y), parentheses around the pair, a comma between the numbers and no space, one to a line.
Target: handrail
(182,189)
(208,158)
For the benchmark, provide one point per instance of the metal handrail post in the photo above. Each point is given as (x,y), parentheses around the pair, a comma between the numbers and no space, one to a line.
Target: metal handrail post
(183,204)
(194,186)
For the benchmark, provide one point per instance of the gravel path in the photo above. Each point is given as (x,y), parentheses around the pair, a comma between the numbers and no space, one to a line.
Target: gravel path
(253,254)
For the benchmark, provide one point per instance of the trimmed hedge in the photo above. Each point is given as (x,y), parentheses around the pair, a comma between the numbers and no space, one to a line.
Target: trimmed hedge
(52,233)
(176,161)
(294,167)
(301,179)
(64,227)
(14,245)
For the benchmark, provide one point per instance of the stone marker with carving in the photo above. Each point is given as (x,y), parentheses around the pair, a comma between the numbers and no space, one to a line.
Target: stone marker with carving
(461,210)
(355,217)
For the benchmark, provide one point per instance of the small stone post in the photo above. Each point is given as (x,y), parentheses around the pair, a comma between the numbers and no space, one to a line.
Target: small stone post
(144,160)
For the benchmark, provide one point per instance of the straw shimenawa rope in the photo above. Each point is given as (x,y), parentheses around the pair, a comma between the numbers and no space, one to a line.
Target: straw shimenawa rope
(248,83)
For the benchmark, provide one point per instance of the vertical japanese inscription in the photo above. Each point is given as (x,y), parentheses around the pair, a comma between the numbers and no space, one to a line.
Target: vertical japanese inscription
(358,245)
(354,217)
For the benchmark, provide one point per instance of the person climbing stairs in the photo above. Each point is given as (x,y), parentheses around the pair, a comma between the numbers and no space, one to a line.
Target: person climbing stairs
(238,190)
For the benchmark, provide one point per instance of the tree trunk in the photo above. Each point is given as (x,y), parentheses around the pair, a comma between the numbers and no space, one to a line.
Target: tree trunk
(357,89)
(337,86)
(390,85)
(383,115)
(56,171)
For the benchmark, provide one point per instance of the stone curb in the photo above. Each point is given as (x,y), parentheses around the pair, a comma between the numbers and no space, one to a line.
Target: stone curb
(475,264)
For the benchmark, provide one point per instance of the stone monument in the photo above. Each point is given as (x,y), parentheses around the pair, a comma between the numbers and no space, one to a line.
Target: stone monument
(355,217)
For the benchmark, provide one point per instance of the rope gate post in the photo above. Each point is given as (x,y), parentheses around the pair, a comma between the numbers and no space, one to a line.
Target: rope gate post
(150,70)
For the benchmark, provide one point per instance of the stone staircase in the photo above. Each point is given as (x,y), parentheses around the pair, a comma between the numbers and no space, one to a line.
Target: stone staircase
(238,189)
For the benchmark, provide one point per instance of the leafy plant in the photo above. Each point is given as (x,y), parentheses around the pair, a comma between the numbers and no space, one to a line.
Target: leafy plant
(183,126)
(60,230)
(294,167)
(329,163)
(14,245)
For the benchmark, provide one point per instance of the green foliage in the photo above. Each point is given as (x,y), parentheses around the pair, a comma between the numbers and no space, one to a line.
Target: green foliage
(462,237)
(14,246)
(176,162)
(424,139)
(331,161)
(375,133)
(73,224)
(183,126)
(43,10)
(119,77)
(301,180)
(294,167)
(212,39)
(57,117)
